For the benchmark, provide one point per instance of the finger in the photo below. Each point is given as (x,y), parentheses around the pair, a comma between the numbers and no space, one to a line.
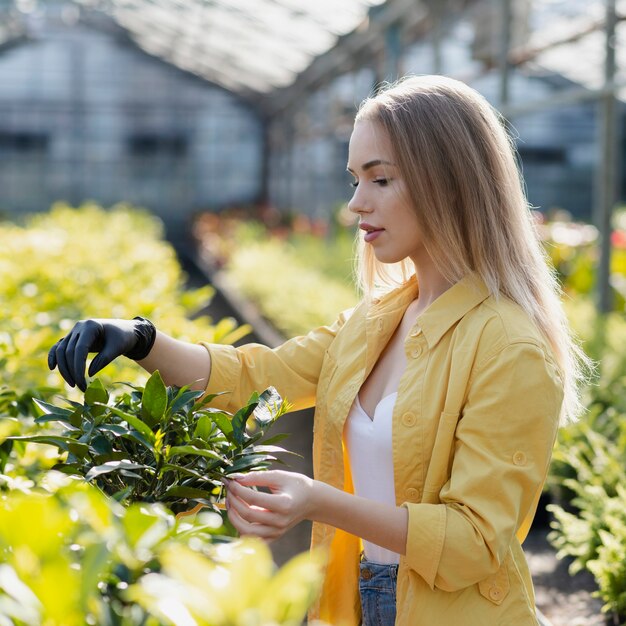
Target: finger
(69,359)
(86,343)
(102,360)
(245,528)
(253,514)
(62,362)
(81,350)
(256,498)
(52,355)
(267,478)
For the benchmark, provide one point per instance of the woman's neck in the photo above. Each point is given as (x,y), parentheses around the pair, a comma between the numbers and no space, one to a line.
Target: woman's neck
(431,284)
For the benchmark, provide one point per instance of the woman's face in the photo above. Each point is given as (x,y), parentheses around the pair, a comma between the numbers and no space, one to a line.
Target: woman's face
(380,198)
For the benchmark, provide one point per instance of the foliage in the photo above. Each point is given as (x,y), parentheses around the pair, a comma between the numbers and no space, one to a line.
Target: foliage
(311,277)
(71,556)
(589,464)
(158,443)
(573,248)
(70,264)
(609,568)
(297,298)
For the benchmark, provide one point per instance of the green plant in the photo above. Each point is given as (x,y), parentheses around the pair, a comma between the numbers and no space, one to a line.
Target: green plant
(73,263)
(299,297)
(609,566)
(72,556)
(158,443)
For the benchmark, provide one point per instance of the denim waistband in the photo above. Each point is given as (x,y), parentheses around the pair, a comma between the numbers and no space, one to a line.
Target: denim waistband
(377,589)
(378,572)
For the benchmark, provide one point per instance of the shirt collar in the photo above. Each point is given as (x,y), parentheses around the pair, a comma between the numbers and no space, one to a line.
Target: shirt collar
(396,299)
(451,306)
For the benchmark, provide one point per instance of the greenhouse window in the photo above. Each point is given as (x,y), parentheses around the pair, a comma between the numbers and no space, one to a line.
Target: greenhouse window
(542,154)
(23,142)
(142,145)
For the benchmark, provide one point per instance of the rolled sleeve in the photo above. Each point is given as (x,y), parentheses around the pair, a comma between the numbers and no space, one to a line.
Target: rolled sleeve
(225,373)
(501,453)
(427,531)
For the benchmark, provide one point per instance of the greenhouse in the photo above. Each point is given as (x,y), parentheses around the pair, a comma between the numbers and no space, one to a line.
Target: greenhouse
(194,166)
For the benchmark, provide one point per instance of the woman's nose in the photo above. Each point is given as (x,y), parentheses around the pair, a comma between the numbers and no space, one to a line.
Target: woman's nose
(357,203)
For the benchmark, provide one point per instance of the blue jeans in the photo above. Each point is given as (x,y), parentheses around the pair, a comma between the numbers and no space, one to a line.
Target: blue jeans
(377,588)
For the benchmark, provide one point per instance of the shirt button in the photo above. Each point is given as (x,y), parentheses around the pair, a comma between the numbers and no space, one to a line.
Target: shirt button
(375,300)
(519,458)
(416,352)
(495,593)
(366,574)
(411,493)
(408,419)
(416,332)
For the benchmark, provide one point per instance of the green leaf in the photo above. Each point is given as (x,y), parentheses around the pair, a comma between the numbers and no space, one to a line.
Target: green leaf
(206,400)
(184,396)
(183,470)
(268,448)
(204,428)
(250,461)
(101,445)
(135,422)
(48,409)
(239,422)
(5,451)
(116,429)
(137,436)
(113,466)
(154,400)
(76,418)
(193,450)
(92,565)
(69,468)
(96,394)
(223,422)
(122,494)
(64,443)
(187,492)
(275,438)
(54,417)
(129,474)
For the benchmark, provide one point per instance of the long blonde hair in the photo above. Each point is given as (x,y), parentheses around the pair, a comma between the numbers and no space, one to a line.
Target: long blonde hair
(458,164)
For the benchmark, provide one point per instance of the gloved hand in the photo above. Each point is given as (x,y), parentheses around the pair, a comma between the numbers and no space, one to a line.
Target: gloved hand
(109,337)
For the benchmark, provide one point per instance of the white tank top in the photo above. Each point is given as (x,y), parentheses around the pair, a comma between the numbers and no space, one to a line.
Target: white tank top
(368,443)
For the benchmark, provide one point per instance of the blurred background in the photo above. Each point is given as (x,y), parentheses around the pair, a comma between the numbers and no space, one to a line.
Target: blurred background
(186,106)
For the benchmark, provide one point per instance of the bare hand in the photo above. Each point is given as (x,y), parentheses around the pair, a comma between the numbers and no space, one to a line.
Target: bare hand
(268,515)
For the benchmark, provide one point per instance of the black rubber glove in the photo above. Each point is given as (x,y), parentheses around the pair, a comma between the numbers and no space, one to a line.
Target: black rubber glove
(109,337)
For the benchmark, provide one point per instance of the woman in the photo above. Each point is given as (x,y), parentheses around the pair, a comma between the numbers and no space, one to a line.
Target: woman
(437,398)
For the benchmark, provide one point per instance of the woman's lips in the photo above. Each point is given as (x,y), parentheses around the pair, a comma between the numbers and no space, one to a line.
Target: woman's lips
(371,232)
(370,235)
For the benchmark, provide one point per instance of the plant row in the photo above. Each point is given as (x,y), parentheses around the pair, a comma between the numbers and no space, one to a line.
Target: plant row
(100,492)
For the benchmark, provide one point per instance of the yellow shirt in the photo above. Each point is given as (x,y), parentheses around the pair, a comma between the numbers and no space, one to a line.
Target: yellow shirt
(473,428)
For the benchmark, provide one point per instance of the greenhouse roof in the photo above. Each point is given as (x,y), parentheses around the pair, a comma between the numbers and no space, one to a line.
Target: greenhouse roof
(567,38)
(243,45)
(260,47)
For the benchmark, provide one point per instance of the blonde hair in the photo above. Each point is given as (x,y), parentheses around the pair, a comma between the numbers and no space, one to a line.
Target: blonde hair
(458,164)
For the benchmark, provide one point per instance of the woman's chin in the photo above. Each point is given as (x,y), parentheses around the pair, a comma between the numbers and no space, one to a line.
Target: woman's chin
(386,257)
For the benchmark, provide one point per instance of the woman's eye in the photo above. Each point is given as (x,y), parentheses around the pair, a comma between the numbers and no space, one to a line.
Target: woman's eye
(383,182)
